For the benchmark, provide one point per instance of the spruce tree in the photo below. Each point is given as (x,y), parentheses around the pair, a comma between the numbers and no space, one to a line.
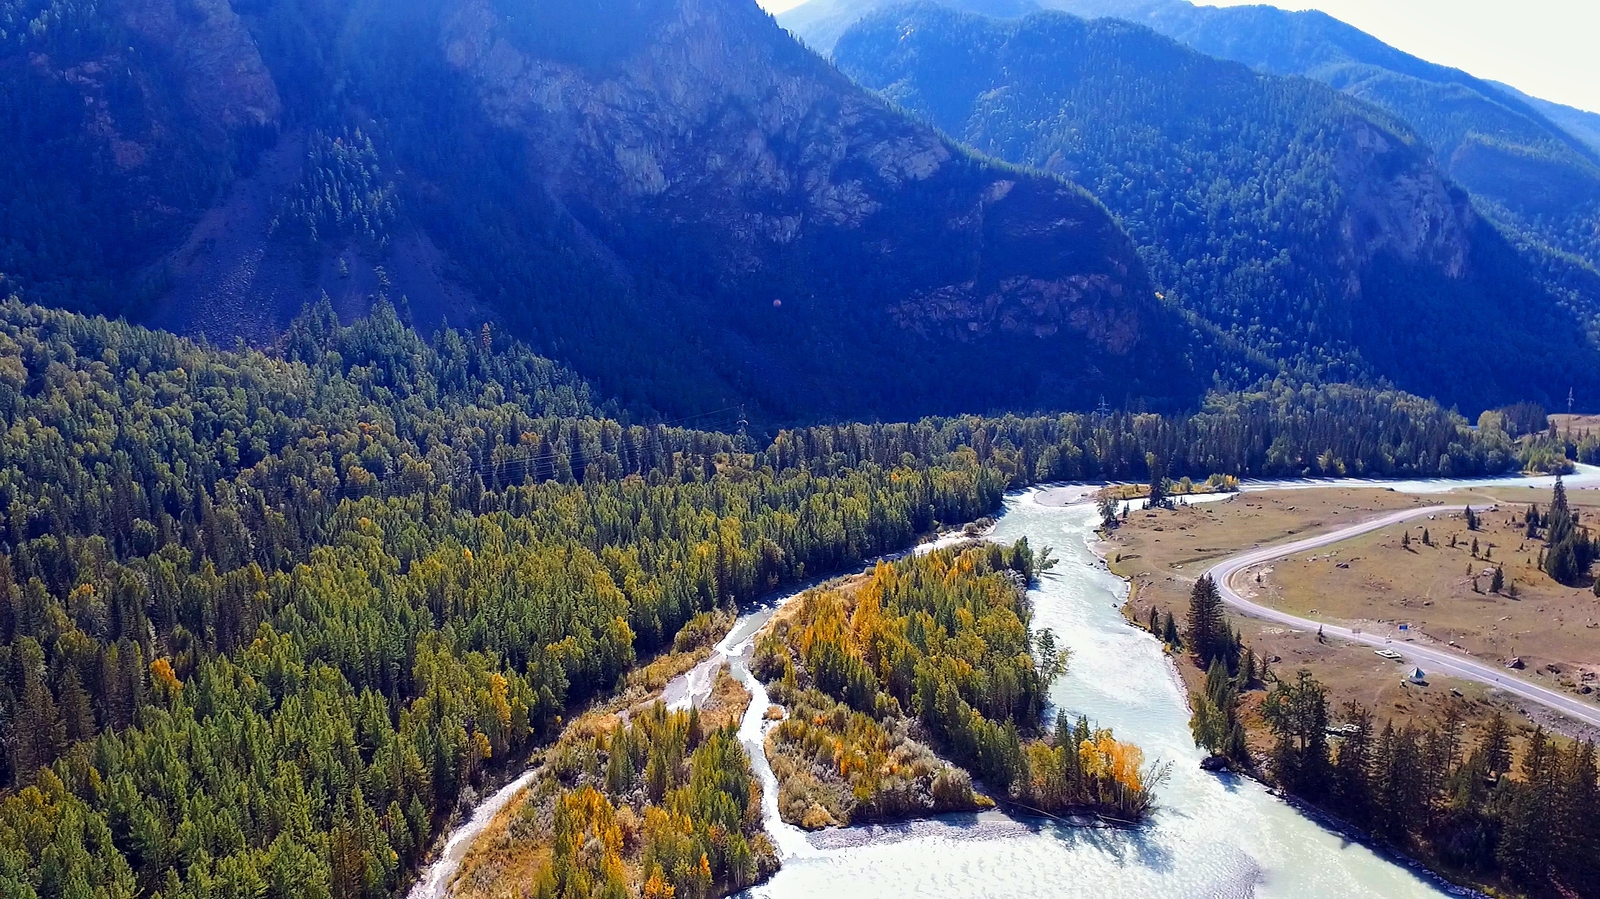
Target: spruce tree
(1158,481)
(1298,714)
(1208,629)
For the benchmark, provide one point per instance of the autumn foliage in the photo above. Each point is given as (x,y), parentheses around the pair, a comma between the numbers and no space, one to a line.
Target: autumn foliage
(938,647)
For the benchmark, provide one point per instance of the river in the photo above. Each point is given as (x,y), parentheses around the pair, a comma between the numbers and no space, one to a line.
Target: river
(1214,835)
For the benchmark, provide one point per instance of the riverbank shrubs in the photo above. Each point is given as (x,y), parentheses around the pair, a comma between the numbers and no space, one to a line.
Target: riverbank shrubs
(941,643)
(838,766)
(657,806)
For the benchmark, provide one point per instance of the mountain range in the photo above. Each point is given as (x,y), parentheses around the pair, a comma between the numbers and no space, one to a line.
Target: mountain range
(1532,165)
(1529,171)
(1308,225)
(694,211)
(671,195)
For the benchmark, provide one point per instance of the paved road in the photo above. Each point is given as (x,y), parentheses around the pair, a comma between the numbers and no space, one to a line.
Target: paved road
(1431,659)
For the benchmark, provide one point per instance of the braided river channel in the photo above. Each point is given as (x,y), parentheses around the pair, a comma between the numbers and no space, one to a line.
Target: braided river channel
(1213,836)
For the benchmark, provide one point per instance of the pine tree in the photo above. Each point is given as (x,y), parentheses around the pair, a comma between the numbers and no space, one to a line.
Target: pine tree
(1158,481)
(1497,581)
(1496,744)
(1570,551)
(1247,670)
(38,733)
(1208,628)
(1298,714)
(1350,778)
(77,713)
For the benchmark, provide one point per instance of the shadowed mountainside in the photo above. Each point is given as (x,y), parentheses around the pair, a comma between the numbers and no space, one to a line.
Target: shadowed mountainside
(1307,225)
(671,195)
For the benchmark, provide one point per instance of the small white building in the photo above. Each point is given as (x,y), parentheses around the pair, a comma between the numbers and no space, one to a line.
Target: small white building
(1416,676)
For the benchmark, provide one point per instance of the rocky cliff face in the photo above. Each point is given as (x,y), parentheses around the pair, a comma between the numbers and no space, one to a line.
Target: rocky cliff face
(674,196)
(123,121)
(208,51)
(718,124)
(1398,202)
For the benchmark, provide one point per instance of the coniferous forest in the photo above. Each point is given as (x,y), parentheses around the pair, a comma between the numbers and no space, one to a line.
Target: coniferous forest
(1463,799)
(266,617)
(513,347)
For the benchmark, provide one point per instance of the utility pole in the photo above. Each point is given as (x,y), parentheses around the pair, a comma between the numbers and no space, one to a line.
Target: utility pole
(1103,409)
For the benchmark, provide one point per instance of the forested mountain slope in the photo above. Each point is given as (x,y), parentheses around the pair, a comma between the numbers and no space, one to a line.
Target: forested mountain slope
(673,196)
(1307,225)
(1532,174)
(820,22)
(1580,123)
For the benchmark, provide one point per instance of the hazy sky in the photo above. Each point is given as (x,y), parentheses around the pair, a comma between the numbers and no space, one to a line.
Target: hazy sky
(1548,48)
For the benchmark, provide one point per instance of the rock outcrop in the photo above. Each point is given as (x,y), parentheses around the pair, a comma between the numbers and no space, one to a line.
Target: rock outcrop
(1400,203)
(718,123)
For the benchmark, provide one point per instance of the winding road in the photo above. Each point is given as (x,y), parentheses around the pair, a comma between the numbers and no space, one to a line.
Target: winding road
(1431,659)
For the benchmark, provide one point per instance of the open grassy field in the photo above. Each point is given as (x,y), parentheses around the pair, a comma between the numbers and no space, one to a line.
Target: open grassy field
(1577,424)
(1425,576)
(1375,582)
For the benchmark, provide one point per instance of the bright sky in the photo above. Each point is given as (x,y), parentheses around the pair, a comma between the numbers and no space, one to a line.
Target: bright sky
(778,6)
(1547,48)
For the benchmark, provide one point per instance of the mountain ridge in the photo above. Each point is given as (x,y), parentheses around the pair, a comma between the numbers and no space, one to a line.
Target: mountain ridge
(1302,221)
(1533,176)
(671,195)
